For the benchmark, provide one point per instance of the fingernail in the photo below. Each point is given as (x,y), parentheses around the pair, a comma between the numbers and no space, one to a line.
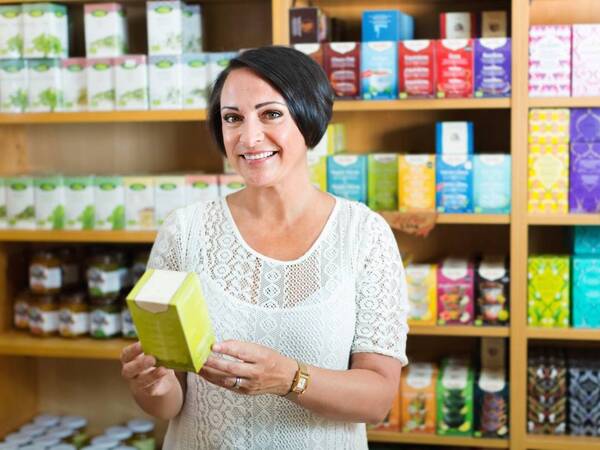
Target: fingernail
(217,347)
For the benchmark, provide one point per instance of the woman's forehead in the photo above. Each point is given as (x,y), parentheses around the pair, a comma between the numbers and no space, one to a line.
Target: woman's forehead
(245,85)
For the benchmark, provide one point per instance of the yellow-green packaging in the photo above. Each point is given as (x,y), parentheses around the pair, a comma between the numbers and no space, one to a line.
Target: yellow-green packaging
(333,141)
(383,182)
(317,168)
(20,202)
(11,31)
(416,183)
(172,320)
(139,203)
(548,291)
(49,202)
(80,212)
(455,398)
(169,194)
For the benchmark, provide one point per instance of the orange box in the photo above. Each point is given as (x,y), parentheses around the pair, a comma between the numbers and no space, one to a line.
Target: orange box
(417,400)
(392,421)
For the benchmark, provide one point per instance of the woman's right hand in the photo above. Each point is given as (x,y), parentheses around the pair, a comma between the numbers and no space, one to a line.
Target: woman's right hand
(143,375)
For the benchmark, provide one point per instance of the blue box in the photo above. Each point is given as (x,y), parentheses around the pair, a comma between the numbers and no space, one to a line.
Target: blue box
(491,183)
(379,70)
(347,176)
(586,291)
(454,138)
(387,25)
(454,183)
(586,240)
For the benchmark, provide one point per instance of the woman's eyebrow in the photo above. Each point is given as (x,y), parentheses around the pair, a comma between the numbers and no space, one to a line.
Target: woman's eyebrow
(235,108)
(260,105)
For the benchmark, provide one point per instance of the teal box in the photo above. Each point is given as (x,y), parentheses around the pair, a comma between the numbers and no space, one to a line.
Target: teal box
(491,184)
(586,292)
(379,70)
(454,184)
(347,177)
(587,240)
(387,25)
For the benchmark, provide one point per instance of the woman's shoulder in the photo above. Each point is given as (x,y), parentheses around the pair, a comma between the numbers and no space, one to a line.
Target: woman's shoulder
(192,214)
(360,216)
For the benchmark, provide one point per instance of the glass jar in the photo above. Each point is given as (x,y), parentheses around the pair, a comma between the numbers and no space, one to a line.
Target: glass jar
(32,430)
(21,310)
(105,275)
(105,317)
(43,315)
(126,279)
(63,447)
(70,268)
(74,315)
(45,274)
(105,442)
(140,262)
(143,438)
(122,434)
(45,442)
(18,439)
(79,426)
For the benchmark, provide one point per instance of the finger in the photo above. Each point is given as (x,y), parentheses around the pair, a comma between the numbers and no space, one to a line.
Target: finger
(213,376)
(243,351)
(130,352)
(231,368)
(152,377)
(136,367)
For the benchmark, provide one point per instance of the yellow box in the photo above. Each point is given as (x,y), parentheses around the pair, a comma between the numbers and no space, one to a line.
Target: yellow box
(416,183)
(549,126)
(548,180)
(421,280)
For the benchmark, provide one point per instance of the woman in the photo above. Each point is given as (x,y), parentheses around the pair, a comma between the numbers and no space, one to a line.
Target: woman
(306,291)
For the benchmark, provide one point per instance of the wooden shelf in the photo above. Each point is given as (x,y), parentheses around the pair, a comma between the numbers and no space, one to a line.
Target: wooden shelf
(566,334)
(434,330)
(77,236)
(104,117)
(420,104)
(534,442)
(431,439)
(564,219)
(22,344)
(565,102)
(466,219)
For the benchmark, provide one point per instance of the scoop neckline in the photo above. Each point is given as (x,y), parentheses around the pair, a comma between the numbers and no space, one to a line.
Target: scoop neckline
(256,253)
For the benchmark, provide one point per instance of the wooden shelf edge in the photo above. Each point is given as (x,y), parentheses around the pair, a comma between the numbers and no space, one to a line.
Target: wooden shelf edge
(431,439)
(563,219)
(534,442)
(78,236)
(564,102)
(565,334)
(395,217)
(420,104)
(104,117)
(435,330)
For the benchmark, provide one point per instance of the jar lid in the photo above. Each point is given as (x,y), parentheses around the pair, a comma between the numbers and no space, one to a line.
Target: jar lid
(63,447)
(105,442)
(18,439)
(74,422)
(125,447)
(46,420)
(7,446)
(140,426)
(61,432)
(44,299)
(32,430)
(73,298)
(46,441)
(120,433)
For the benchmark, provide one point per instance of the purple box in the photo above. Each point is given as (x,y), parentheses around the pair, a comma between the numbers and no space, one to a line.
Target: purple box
(584,183)
(585,125)
(492,67)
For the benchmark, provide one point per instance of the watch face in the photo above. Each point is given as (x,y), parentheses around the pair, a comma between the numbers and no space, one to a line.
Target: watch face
(301,384)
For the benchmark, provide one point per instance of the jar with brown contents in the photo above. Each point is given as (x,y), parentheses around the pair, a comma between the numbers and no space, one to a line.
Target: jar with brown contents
(45,274)
(74,315)
(21,310)
(70,268)
(43,315)
(105,275)
(105,317)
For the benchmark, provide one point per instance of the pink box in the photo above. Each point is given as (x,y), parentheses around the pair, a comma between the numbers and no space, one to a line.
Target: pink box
(416,68)
(586,60)
(550,61)
(456,301)
(454,68)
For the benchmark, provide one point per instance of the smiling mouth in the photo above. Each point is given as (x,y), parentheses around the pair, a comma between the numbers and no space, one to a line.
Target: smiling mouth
(258,156)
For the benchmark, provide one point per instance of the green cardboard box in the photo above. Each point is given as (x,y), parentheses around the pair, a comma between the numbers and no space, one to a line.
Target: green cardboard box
(455,398)
(171,318)
(548,291)
(383,182)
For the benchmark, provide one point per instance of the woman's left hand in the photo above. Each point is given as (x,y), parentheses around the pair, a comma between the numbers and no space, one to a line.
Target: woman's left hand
(260,370)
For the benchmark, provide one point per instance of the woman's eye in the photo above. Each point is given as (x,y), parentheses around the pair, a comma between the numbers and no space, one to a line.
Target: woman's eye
(273,115)
(230,118)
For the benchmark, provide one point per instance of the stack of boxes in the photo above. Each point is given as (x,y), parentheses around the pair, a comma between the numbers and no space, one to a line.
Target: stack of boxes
(586,273)
(455,398)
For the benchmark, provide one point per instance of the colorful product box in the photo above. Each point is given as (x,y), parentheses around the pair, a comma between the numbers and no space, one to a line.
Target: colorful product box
(3,222)
(421,281)
(342,66)
(139,203)
(80,213)
(494,24)
(49,202)
(201,188)
(550,61)
(14,94)
(585,125)
(45,86)
(109,199)
(105,30)
(492,65)
(314,50)
(166,84)
(418,399)
(386,25)
(11,31)
(74,81)
(586,240)
(347,177)
(584,179)
(454,138)
(165,27)
(458,25)
(195,80)
(456,297)
(192,29)
(20,203)
(383,182)
(454,183)
(217,63)
(416,69)
(550,126)
(454,68)
(317,168)
(586,292)
(492,288)
(131,83)
(45,31)
(228,184)
(169,194)
(308,25)
(100,84)
(586,60)
(492,184)
(416,183)
(548,291)
(548,178)
(455,398)
(172,319)
(379,70)
(332,142)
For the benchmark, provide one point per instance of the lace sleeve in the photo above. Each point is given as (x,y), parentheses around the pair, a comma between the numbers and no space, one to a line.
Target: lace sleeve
(169,247)
(382,303)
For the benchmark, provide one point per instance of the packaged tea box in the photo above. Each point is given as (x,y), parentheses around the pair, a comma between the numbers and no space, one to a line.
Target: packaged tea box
(454,68)
(586,291)
(584,178)
(492,183)
(11,31)
(166,86)
(192,28)
(172,320)
(105,30)
(201,188)
(492,67)
(455,398)
(314,50)
(165,27)
(228,184)
(416,70)
(74,84)
(45,30)
(342,66)
(492,288)
(550,126)
(217,62)
(550,61)
(49,202)
(169,194)
(454,138)
(317,168)
(421,282)
(549,284)
(585,125)
(3,223)
(454,178)
(109,198)
(308,24)
(333,141)
(586,240)
(80,211)
(586,58)
(455,292)
(131,83)
(383,181)
(418,398)
(101,84)
(386,25)
(379,70)
(494,24)
(347,176)
(20,202)
(45,86)
(139,203)
(458,25)
(14,93)
(548,178)
(195,80)
(416,182)
(392,420)
(583,385)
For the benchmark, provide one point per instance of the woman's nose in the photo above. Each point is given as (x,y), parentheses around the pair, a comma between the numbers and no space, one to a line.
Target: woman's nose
(251,133)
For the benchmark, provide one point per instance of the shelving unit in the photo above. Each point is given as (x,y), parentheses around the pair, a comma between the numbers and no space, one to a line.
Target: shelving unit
(564,219)
(564,102)
(103,117)
(563,334)
(424,439)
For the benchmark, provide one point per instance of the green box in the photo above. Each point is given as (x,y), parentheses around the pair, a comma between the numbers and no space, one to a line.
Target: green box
(49,202)
(455,398)
(383,182)
(20,202)
(109,200)
(172,320)
(548,291)
(80,213)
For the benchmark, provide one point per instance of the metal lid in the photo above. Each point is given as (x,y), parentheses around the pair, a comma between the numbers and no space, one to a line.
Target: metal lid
(140,426)
(74,422)
(120,433)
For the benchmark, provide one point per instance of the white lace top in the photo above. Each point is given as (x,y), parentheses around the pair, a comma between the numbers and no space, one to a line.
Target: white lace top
(346,294)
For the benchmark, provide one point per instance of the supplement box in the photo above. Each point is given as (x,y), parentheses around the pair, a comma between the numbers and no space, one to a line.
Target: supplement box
(165,25)
(80,213)
(14,93)
(109,198)
(195,80)
(317,168)
(548,291)
(217,62)
(49,202)
(171,318)
(333,141)
(74,84)
(386,25)
(45,30)
(11,31)
(492,288)
(584,179)
(383,181)
(586,60)
(100,84)
(494,24)
(584,384)
(586,240)
(201,188)
(421,281)
(228,184)
(105,30)
(139,203)
(379,70)
(586,291)
(550,61)
(454,68)
(418,399)
(308,25)
(492,183)
(548,178)
(3,223)
(166,84)
(454,138)
(131,83)
(454,177)
(314,50)
(549,126)
(455,398)
(192,29)
(347,177)
(492,67)
(20,202)
(585,125)
(169,194)
(458,25)
(456,297)
(416,183)
(342,66)
(416,68)
(45,87)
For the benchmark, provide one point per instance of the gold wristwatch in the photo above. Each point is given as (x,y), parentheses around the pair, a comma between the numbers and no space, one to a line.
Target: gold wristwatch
(301,379)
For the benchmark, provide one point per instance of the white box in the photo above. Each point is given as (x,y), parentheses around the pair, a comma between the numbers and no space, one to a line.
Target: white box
(195,80)
(139,203)
(45,31)
(169,194)
(74,82)
(192,29)
(11,31)
(14,94)
(165,27)
(100,84)
(44,85)
(49,202)
(550,61)
(201,188)
(105,30)
(166,90)
(586,60)
(20,203)
(131,82)
(217,62)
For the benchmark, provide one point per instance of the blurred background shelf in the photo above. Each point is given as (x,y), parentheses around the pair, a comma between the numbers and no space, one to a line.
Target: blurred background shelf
(421,104)
(565,102)
(430,439)
(534,442)
(564,219)
(436,330)
(91,236)
(569,334)
(104,117)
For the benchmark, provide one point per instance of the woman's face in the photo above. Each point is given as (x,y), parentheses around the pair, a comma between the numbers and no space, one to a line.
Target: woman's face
(262,141)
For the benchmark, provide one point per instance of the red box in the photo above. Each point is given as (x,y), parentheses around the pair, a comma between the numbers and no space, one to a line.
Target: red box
(342,65)
(416,68)
(454,63)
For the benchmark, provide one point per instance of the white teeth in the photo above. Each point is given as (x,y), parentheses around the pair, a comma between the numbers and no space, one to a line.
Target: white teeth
(259,155)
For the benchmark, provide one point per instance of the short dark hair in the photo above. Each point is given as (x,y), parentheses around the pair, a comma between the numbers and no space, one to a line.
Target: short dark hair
(297,77)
